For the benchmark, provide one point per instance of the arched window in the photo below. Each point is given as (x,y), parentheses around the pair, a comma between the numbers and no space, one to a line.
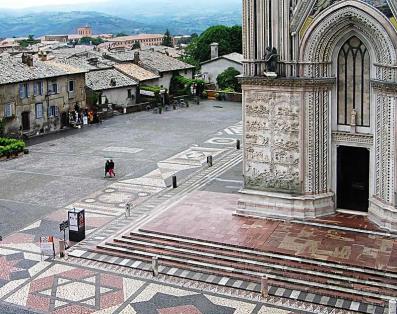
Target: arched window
(354,83)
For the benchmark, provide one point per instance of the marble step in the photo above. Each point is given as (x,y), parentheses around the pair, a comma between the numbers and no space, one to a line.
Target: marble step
(243,260)
(312,264)
(242,264)
(212,268)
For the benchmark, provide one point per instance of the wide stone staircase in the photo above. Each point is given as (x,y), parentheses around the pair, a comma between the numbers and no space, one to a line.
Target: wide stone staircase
(365,289)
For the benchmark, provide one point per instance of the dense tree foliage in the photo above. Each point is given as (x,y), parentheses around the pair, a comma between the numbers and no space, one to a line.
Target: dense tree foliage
(28,42)
(167,39)
(136,45)
(91,41)
(228,80)
(228,38)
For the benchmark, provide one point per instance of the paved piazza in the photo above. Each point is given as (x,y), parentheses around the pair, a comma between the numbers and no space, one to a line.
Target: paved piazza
(66,170)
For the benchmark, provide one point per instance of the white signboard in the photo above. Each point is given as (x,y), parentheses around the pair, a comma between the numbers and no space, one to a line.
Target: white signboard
(85,120)
(73,222)
(47,246)
(147,93)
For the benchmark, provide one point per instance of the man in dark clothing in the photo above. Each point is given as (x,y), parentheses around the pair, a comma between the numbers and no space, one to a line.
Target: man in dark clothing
(107,167)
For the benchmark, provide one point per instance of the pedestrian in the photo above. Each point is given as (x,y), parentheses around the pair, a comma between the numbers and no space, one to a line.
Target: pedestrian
(107,167)
(111,168)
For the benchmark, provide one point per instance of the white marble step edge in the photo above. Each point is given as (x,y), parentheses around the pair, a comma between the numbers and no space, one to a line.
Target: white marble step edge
(249,273)
(258,263)
(265,254)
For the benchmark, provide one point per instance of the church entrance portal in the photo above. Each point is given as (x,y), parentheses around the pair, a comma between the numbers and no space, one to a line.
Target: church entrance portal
(353,178)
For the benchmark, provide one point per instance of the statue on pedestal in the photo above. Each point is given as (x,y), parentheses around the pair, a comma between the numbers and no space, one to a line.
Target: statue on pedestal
(271,59)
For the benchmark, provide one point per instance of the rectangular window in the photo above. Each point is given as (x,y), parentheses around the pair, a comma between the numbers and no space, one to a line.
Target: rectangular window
(38,88)
(53,87)
(53,111)
(23,90)
(8,112)
(71,86)
(39,111)
(129,93)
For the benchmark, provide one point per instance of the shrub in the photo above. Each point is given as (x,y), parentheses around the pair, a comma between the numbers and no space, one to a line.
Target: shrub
(10,146)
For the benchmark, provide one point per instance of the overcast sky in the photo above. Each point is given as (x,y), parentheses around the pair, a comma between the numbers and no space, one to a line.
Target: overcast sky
(19,4)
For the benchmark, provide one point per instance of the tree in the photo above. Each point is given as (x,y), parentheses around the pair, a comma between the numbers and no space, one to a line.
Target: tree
(228,38)
(91,41)
(28,42)
(121,34)
(167,39)
(228,79)
(136,45)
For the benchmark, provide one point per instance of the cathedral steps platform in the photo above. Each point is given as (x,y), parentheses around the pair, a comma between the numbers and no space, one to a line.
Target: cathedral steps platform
(314,262)
(334,280)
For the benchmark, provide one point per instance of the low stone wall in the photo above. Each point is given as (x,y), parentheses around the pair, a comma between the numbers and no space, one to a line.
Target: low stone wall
(228,96)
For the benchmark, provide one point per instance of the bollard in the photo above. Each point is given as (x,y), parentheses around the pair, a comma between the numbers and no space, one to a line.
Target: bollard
(264,286)
(155,266)
(174,183)
(392,306)
(62,248)
(238,144)
(127,210)
(209,161)
(160,110)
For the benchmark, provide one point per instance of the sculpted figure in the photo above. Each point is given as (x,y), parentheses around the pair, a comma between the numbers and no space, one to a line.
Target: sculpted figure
(321,5)
(271,59)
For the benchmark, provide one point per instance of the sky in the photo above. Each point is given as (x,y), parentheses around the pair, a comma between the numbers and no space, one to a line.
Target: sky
(20,4)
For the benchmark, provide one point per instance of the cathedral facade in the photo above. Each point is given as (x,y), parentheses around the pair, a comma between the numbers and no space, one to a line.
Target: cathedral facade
(320,128)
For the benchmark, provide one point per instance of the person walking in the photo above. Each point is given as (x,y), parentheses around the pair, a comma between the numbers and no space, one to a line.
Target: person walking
(111,168)
(107,168)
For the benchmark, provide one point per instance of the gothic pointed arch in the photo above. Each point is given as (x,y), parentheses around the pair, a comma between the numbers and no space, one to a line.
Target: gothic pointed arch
(320,40)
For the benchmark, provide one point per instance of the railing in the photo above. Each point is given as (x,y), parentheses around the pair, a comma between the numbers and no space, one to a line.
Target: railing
(254,68)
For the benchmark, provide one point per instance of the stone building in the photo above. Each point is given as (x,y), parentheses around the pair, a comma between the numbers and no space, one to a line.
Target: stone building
(321,136)
(36,95)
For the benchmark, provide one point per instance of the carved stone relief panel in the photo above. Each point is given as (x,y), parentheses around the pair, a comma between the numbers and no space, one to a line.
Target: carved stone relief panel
(272,154)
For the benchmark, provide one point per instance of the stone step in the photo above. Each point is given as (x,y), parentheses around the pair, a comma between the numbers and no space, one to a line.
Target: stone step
(275,257)
(271,264)
(190,263)
(230,273)
(242,264)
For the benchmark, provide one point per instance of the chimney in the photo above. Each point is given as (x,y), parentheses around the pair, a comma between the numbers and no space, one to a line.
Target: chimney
(214,50)
(136,57)
(24,58)
(43,55)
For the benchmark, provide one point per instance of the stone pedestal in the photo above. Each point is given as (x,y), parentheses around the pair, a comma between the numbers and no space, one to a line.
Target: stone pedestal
(270,204)
(385,216)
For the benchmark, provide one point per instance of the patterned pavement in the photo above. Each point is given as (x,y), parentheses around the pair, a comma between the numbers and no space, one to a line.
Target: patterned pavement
(31,282)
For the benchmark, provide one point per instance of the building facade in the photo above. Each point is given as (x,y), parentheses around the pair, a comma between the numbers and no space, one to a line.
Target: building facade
(321,136)
(36,96)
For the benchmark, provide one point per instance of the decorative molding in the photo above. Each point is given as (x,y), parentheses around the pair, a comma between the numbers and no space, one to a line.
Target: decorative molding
(291,82)
(301,13)
(386,87)
(345,137)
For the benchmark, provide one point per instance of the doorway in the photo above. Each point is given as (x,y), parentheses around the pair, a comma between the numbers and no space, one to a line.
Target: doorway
(26,121)
(353,178)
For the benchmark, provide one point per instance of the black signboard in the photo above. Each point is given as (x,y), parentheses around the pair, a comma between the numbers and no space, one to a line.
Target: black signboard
(76,219)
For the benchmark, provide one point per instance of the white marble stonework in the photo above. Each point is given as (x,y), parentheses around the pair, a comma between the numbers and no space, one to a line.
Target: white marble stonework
(335,92)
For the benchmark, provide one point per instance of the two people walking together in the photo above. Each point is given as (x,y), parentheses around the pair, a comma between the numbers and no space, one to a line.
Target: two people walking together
(109,168)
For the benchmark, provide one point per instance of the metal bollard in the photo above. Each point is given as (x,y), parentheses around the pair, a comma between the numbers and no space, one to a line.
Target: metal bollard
(174,183)
(155,266)
(62,248)
(264,286)
(238,144)
(209,161)
(392,307)
(127,210)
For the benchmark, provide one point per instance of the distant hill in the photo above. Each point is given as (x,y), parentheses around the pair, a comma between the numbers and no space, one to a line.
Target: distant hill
(127,16)
(39,24)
